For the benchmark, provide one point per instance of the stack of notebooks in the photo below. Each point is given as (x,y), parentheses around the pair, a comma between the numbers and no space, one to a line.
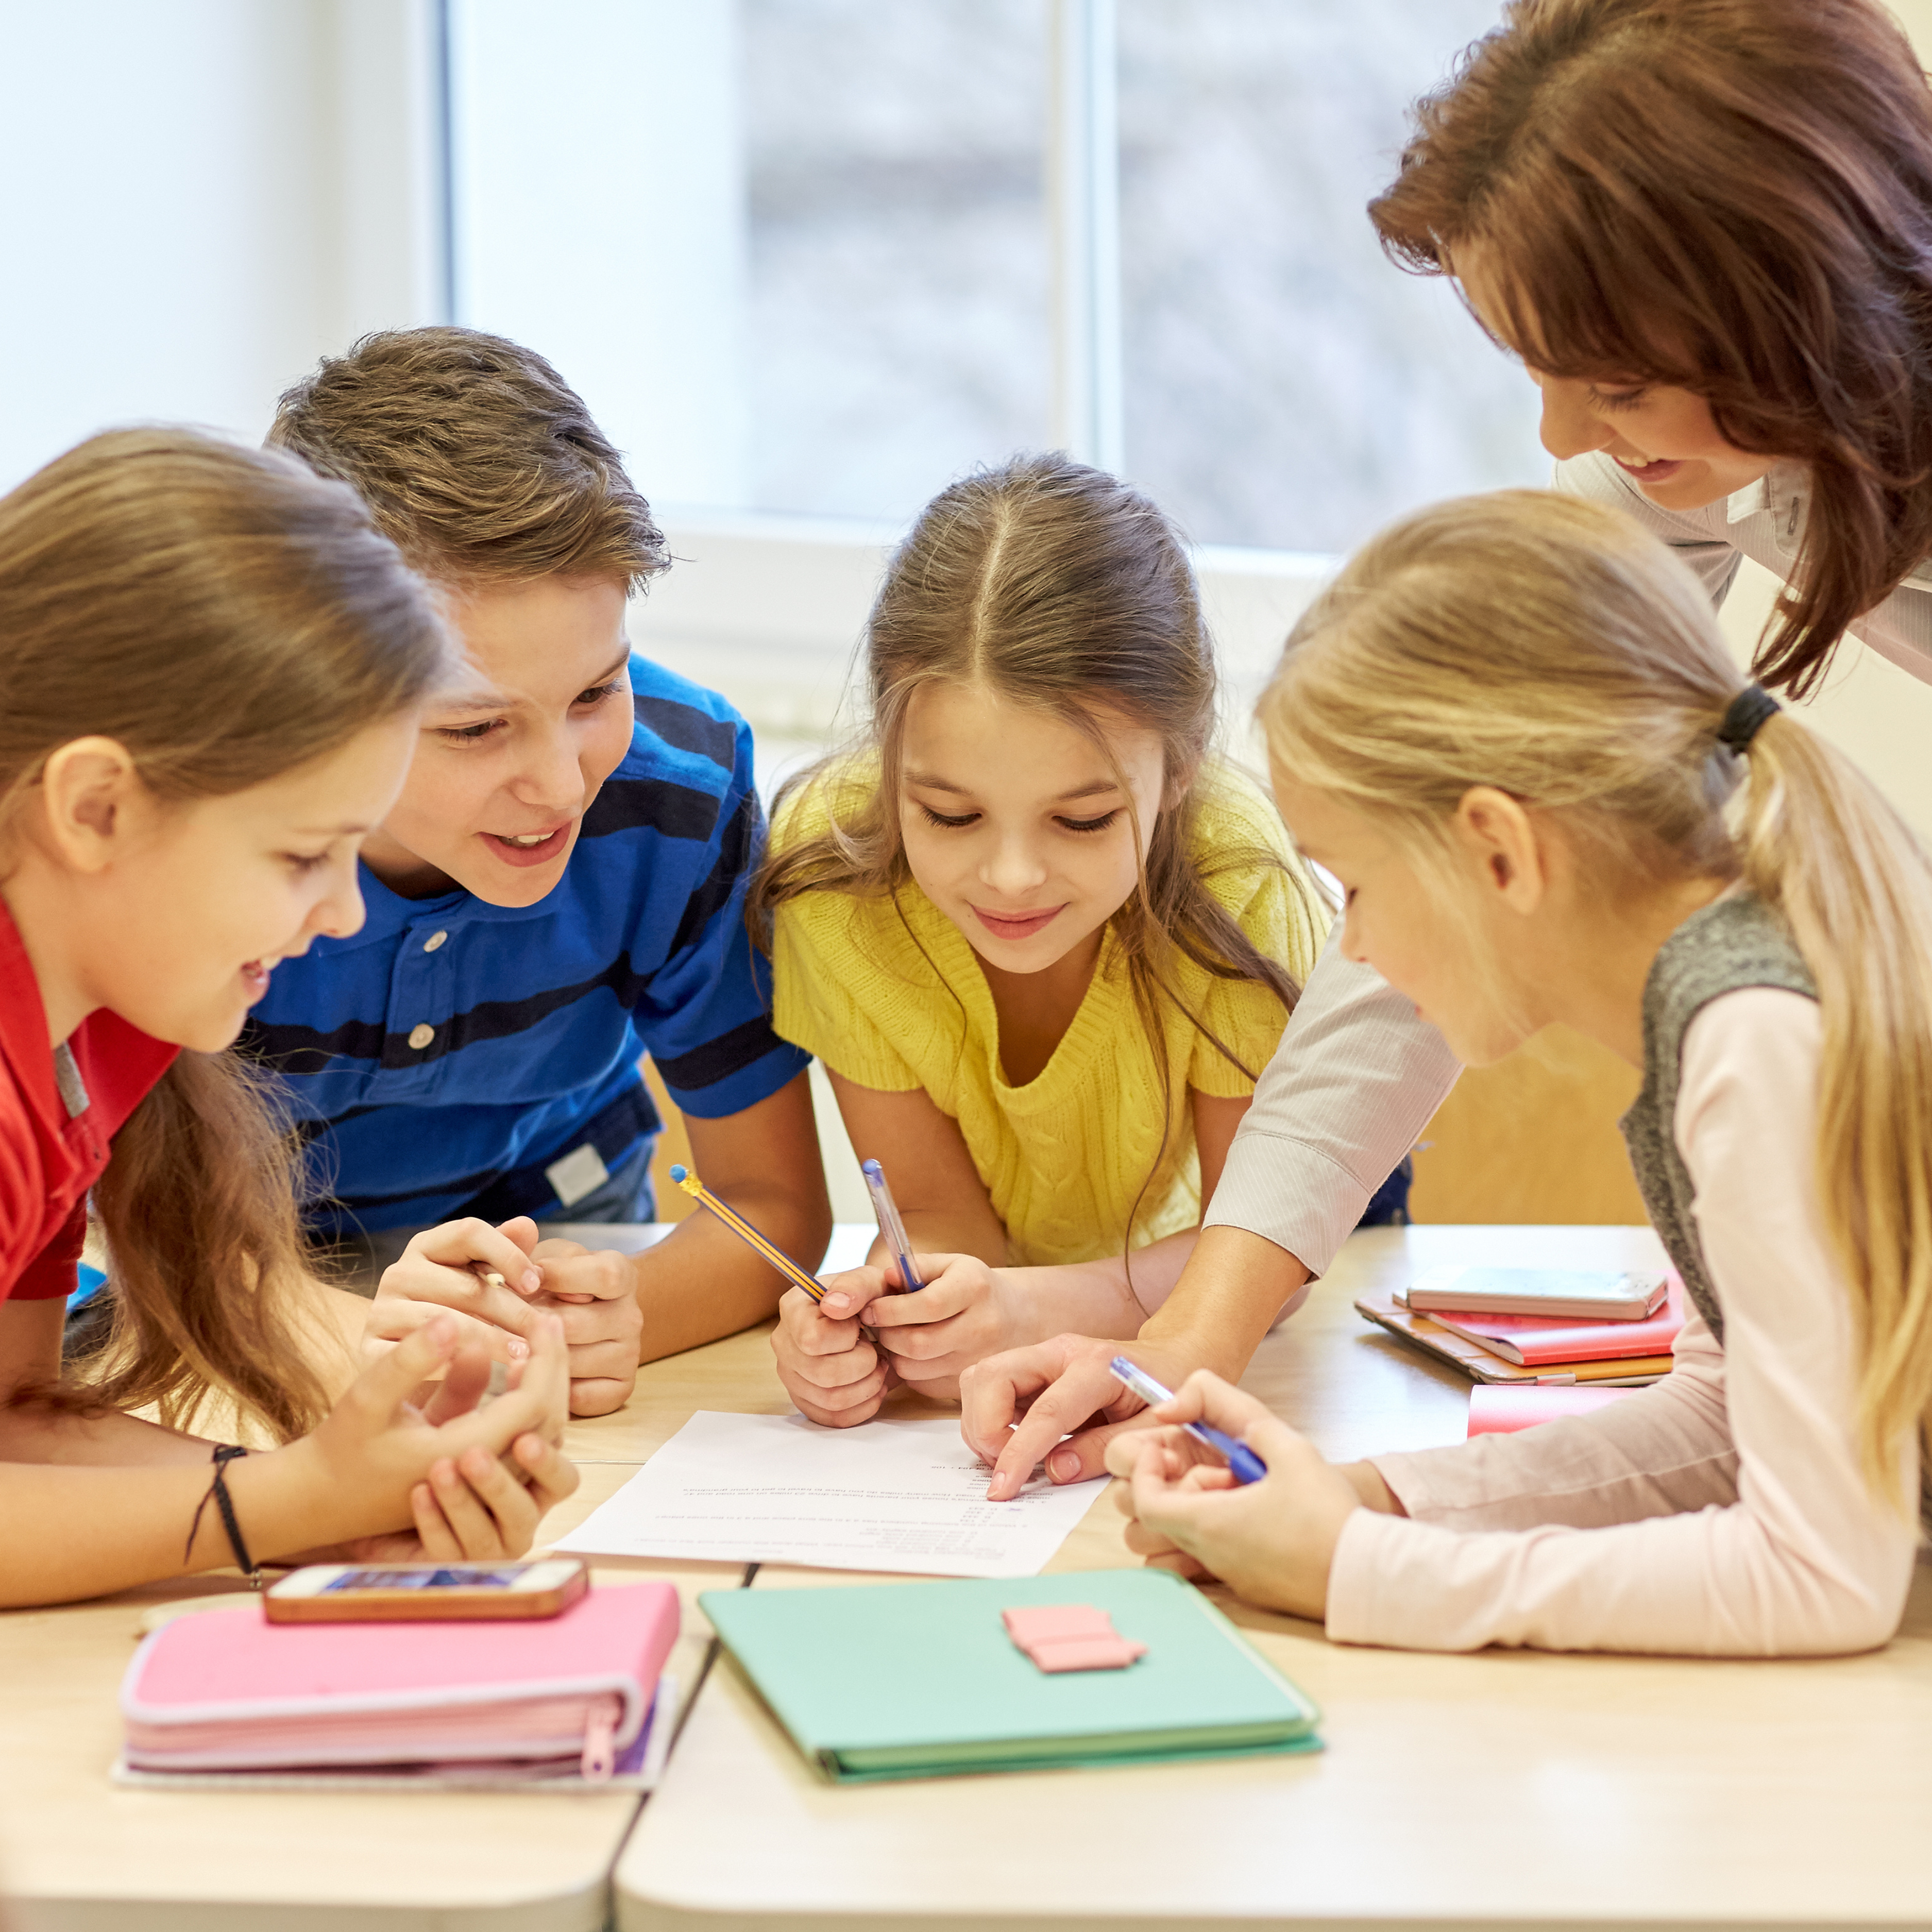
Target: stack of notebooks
(1539,1325)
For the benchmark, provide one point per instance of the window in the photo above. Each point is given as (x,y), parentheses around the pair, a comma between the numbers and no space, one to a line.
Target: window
(815,257)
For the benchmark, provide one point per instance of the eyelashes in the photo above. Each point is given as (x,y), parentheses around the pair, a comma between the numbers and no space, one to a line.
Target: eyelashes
(475,734)
(940,822)
(1614,399)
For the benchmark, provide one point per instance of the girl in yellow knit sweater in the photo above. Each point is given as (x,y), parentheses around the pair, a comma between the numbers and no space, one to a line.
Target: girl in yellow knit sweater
(1042,940)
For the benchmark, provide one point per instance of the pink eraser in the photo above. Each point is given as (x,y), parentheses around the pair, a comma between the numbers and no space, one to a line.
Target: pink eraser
(1070,1637)
(1035,1622)
(1089,1653)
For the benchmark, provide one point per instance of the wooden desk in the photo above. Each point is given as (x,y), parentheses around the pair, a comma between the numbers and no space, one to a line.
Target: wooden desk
(1509,1786)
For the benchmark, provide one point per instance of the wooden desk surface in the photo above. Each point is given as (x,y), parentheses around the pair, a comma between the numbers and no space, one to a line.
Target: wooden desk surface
(1506,1786)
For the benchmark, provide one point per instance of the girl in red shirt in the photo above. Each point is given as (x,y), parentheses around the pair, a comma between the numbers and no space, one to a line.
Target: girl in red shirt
(210,667)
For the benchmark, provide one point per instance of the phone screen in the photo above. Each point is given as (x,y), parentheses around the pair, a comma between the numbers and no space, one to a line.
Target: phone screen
(451,1578)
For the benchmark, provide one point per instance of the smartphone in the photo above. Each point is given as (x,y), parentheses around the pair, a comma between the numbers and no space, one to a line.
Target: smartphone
(1597,1295)
(350,1593)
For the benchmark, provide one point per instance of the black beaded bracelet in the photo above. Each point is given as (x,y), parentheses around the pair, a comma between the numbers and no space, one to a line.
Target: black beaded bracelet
(225,1453)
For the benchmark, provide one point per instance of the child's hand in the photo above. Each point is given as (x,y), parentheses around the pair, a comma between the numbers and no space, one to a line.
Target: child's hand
(1272,1541)
(442,1270)
(595,1295)
(442,1273)
(965,1311)
(359,1472)
(476,1508)
(828,1367)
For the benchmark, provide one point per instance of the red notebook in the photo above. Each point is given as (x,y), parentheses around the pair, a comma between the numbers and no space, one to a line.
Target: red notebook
(1532,1339)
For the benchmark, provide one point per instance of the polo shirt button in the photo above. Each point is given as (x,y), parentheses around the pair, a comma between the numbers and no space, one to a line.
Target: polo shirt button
(435,940)
(420,1036)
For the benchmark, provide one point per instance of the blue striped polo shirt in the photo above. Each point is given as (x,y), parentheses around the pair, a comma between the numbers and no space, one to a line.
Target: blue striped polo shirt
(452,1051)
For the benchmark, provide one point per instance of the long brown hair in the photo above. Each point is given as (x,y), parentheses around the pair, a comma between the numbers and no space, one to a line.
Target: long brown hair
(1548,646)
(1729,197)
(228,616)
(1056,586)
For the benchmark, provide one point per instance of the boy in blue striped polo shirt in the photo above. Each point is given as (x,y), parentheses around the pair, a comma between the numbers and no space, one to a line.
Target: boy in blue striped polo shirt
(559,888)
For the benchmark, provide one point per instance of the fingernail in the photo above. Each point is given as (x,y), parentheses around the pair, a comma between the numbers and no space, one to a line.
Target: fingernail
(519,1348)
(839,1303)
(1062,1466)
(532,1281)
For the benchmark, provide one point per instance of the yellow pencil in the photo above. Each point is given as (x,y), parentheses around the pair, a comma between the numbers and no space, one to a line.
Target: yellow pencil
(746,1233)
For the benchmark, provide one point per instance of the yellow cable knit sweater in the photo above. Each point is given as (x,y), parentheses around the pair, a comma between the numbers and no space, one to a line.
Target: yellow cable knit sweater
(1064,1156)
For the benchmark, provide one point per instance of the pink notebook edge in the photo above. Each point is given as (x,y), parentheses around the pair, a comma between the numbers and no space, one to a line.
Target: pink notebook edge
(626,1681)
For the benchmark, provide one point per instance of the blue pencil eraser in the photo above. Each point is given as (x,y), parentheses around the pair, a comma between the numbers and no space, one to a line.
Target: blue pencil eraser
(871,1169)
(677,1173)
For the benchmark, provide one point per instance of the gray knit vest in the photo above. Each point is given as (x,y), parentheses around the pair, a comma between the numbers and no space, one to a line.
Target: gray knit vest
(1734,942)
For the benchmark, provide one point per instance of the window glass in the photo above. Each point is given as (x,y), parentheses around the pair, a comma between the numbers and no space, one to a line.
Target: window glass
(1285,386)
(792,253)
(897,227)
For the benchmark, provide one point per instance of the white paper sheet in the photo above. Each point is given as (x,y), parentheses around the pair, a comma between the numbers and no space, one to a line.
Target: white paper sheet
(902,1496)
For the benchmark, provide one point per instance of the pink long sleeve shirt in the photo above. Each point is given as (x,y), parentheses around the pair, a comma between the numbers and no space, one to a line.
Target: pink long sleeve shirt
(1722,1512)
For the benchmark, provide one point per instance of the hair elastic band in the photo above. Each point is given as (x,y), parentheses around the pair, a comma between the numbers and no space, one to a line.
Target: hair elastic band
(225,1453)
(1744,716)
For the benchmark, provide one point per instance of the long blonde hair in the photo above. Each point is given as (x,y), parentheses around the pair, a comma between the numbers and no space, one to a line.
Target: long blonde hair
(1551,648)
(228,616)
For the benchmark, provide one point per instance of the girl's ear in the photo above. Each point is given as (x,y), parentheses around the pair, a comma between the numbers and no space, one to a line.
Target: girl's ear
(1178,785)
(1499,839)
(91,804)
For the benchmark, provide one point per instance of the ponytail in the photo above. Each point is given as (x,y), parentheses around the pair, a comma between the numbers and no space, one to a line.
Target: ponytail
(1822,848)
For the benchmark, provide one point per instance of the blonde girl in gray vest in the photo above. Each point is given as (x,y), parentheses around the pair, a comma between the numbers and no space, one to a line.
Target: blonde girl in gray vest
(1511,729)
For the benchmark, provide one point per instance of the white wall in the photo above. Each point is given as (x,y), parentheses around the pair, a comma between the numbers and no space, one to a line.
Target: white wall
(202,197)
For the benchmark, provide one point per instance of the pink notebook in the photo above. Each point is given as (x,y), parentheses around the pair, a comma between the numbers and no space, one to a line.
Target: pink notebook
(1500,1411)
(1534,1339)
(229,1691)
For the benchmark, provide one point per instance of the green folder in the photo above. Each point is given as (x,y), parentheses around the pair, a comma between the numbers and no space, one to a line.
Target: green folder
(921,1680)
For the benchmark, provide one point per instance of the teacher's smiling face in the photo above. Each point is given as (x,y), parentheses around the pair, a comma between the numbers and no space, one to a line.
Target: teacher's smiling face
(1664,439)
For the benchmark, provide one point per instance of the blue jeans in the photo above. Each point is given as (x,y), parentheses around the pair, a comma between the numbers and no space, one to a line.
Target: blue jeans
(625,1195)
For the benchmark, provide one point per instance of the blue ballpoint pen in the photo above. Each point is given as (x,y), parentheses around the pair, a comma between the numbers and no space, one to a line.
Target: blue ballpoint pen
(1247,1465)
(890,1225)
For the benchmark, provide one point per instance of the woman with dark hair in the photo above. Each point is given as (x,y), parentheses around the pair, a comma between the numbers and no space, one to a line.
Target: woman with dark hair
(1706,226)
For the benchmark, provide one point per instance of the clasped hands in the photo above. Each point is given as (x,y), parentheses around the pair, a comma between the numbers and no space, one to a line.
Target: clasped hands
(565,1324)
(591,1293)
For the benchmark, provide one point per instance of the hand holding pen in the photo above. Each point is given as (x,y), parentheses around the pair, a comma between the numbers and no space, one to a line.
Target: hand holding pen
(886,1210)
(1274,1537)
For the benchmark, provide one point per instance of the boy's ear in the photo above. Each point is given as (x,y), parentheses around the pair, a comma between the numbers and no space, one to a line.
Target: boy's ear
(92,802)
(1500,839)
